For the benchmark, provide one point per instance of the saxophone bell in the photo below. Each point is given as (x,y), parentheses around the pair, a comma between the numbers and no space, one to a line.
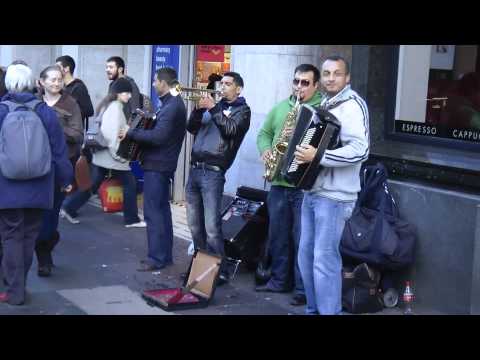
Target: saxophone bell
(282,147)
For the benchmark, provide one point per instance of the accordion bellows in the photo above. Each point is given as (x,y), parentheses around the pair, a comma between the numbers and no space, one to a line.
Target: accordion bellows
(130,149)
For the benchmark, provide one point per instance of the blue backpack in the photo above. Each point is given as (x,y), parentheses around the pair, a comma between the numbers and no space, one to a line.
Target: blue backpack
(25,151)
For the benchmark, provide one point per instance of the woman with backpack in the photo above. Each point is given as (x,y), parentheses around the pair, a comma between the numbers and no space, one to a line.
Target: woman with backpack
(28,178)
(70,118)
(106,160)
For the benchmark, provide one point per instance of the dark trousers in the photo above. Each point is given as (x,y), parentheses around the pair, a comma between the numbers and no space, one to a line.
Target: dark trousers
(19,229)
(129,185)
(158,216)
(49,236)
(284,209)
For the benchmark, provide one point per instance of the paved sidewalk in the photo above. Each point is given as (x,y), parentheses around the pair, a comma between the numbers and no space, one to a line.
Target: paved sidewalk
(95,273)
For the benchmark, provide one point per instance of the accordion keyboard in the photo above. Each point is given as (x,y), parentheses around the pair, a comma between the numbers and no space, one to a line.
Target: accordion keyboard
(306,141)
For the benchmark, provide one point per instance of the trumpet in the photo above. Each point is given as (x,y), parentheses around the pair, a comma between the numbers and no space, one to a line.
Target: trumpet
(195,93)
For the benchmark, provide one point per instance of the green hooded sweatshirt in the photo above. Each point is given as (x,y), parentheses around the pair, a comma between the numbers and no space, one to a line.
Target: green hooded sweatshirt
(273,124)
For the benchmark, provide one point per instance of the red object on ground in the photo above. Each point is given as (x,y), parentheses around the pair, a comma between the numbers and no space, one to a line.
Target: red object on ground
(176,297)
(111,195)
(173,296)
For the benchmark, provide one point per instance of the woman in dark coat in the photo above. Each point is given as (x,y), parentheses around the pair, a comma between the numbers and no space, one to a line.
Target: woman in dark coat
(70,118)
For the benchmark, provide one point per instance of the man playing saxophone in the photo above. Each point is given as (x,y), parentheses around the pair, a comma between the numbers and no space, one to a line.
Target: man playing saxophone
(284,201)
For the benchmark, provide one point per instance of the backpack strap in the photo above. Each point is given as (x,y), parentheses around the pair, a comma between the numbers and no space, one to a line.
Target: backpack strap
(12,105)
(33,104)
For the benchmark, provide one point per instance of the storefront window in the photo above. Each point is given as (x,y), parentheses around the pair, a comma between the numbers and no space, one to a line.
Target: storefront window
(212,61)
(438,92)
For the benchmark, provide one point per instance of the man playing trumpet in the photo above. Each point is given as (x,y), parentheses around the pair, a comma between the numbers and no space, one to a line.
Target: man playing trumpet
(219,130)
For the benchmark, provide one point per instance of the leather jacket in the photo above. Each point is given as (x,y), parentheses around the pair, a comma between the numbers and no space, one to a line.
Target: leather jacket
(219,136)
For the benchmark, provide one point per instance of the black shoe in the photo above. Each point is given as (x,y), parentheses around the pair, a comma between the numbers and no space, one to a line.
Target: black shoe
(298,300)
(266,288)
(44,271)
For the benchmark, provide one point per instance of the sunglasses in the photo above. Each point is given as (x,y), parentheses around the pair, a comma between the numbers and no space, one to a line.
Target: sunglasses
(303,83)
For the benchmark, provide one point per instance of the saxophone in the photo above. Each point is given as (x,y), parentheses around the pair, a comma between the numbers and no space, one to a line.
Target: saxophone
(273,163)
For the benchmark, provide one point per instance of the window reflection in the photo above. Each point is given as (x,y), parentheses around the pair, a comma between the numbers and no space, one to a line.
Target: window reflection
(453,99)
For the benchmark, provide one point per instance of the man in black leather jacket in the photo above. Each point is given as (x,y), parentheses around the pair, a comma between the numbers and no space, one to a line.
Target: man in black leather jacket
(219,130)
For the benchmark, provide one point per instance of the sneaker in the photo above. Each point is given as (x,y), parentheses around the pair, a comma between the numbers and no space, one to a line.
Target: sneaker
(66,215)
(140,224)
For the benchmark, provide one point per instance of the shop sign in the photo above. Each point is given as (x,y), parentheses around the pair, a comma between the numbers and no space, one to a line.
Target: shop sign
(213,53)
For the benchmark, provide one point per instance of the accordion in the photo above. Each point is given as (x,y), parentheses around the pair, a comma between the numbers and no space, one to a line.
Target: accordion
(315,127)
(130,149)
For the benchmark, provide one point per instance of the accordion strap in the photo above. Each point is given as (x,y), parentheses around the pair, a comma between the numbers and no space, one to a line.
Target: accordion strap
(336,104)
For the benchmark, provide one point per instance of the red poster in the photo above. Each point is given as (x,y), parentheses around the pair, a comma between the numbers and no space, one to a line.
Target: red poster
(211,53)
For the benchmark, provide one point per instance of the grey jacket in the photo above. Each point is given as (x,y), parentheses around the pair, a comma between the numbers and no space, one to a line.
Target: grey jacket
(113,120)
(340,177)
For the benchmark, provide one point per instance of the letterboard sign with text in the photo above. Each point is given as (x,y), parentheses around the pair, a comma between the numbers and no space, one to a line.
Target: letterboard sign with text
(163,56)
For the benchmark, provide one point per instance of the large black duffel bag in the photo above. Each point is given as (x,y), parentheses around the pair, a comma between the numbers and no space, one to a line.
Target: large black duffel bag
(375,234)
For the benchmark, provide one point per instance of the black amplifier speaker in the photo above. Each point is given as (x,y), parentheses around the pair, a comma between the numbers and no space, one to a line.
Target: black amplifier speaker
(245,226)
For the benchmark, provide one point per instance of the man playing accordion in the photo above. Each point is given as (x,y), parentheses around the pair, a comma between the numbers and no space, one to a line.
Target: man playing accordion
(162,144)
(332,198)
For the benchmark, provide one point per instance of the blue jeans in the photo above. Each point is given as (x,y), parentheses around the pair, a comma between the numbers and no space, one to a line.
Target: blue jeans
(129,185)
(284,212)
(203,194)
(323,220)
(158,216)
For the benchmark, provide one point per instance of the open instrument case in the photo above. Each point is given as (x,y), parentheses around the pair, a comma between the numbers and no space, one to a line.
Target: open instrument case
(204,266)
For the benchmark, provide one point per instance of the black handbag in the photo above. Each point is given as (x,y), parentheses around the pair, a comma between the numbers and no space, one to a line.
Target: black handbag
(378,236)
(360,292)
